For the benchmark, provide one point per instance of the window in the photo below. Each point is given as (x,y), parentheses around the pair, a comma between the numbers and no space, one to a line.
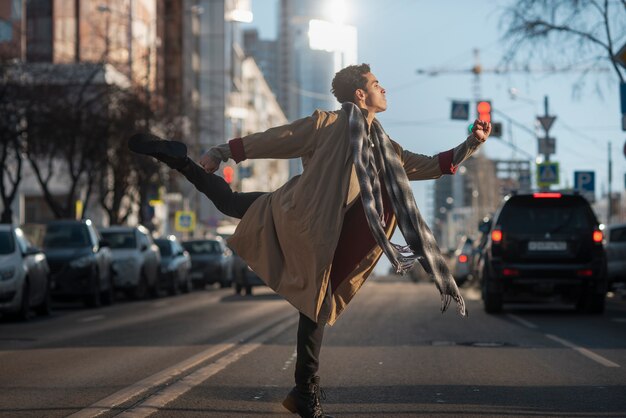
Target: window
(7,243)
(120,239)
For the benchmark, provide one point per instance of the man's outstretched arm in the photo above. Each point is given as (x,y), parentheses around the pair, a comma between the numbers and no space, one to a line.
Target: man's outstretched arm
(422,167)
(288,141)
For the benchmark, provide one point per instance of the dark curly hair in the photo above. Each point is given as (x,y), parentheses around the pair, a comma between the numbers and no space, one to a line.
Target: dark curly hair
(348,80)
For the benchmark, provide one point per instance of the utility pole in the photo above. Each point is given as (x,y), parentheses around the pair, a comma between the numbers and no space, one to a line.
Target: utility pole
(609,200)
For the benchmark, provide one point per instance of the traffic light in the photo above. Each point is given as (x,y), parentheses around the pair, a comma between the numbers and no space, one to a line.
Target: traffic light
(228,174)
(496,129)
(483,110)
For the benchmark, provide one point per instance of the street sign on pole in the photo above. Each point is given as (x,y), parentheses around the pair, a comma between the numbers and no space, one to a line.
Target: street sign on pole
(546,122)
(585,184)
(547,145)
(185,221)
(460,110)
(547,173)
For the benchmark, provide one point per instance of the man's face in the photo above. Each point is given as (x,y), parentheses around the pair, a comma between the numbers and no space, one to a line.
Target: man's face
(374,95)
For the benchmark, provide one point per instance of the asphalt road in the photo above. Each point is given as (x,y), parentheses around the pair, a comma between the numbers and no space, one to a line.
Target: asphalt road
(392,354)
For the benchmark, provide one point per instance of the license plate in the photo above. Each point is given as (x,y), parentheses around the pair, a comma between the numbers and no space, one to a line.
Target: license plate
(547,246)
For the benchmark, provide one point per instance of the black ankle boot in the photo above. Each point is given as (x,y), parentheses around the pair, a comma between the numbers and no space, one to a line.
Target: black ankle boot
(172,153)
(304,400)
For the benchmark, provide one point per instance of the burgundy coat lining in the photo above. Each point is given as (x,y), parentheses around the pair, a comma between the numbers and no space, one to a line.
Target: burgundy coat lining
(236,149)
(445,162)
(355,241)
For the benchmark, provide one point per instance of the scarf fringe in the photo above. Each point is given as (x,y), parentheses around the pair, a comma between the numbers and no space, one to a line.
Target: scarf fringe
(460,304)
(404,249)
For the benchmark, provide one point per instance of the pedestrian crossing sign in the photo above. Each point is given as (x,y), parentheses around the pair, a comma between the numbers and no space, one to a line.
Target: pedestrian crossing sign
(547,173)
(185,221)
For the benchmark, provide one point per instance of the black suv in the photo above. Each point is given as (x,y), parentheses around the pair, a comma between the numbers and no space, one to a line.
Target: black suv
(542,245)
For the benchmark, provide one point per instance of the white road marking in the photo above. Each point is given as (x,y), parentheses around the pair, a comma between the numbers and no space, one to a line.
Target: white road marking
(179,388)
(113,401)
(522,321)
(291,359)
(585,352)
(92,318)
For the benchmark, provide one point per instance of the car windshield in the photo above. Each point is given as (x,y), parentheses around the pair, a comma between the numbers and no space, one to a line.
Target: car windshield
(120,239)
(7,243)
(532,216)
(164,246)
(203,247)
(66,236)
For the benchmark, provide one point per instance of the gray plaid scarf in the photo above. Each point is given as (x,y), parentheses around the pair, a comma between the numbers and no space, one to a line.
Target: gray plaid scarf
(375,153)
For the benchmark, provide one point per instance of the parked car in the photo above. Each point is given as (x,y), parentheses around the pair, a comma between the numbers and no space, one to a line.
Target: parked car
(80,262)
(244,277)
(544,245)
(462,261)
(615,244)
(211,262)
(24,273)
(175,265)
(136,260)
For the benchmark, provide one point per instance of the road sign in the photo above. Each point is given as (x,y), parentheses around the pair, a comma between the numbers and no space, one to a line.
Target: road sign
(585,184)
(460,110)
(547,145)
(546,122)
(496,129)
(185,221)
(547,173)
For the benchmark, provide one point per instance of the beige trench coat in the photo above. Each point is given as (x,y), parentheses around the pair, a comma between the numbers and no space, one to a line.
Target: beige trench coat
(289,237)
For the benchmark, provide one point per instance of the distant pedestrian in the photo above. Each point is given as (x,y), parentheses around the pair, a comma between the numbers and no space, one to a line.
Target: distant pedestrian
(316,239)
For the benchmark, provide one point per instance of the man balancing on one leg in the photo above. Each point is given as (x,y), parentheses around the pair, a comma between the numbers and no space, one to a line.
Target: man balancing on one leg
(318,237)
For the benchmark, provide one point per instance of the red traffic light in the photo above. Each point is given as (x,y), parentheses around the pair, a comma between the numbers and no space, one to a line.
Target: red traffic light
(228,174)
(483,108)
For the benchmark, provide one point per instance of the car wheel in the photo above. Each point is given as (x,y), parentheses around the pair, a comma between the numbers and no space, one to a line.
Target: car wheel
(23,313)
(108,296)
(592,303)
(238,289)
(93,299)
(141,290)
(492,301)
(174,286)
(186,286)
(248,290)
(45,308)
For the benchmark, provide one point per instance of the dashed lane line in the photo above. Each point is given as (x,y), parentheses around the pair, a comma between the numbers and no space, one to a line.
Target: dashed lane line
(172,392)
(92,318)
(172,373)
(522,321)
(585,352)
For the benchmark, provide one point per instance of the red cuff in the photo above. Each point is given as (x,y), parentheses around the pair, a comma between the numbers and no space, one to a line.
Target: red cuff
(236,149)
(445,162)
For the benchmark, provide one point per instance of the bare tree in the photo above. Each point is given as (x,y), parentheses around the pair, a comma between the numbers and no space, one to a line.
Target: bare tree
(119,181)
(65,137)
(12,131)
(584,35)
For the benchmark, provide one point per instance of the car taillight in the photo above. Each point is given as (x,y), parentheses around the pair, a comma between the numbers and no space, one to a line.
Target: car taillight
(496,235)
(462,258)
(547,195)
(585,273)
(510,272)
(597,236)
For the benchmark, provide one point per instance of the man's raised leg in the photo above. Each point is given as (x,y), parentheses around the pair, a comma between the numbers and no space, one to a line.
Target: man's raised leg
(174,154)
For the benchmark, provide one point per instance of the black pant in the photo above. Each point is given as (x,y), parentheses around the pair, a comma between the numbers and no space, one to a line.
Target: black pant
(235,204)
